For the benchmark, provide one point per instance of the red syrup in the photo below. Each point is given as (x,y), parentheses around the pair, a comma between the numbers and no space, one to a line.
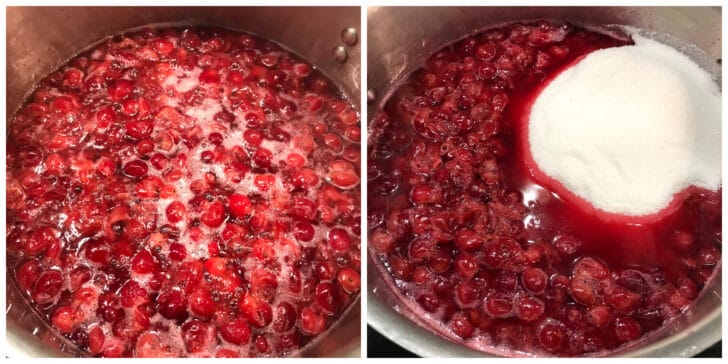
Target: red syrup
(480,250)
(185,192)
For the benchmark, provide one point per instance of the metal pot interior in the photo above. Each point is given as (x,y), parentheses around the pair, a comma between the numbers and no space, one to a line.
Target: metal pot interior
(40,39)
(401,39)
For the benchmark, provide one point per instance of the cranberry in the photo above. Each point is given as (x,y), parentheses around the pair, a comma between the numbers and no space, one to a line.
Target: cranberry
(466,294)
(143,262)
(499,251)
(210,76)
(120,89)
(239,205)
(462,326)
(627,329)
(382,241)
(590,268)
(132,294)
(253,137)
(303,209)
(349,280)
(468,240)
(28,273)
(177,252)
(498,305)
(64,319)
(196,335)
(175,212)
(47,287)
(325,270)
(566,245)
(339,239)
(326,297)
(534,279)
(135,168)
(312,322)
(529,309)
(162,46)
(258,313)
(343,174)
(263,158)
(39,240)
(236,331)
(285,317)
(585,291)
(466,265)
(486,52)
(303,231)
(622,299)
(172,305)
(213,215)
(201,302)
(551,334)
(598,316)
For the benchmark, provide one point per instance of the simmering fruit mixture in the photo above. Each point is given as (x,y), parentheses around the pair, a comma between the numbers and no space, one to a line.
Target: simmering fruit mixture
(482,253)
(186,192)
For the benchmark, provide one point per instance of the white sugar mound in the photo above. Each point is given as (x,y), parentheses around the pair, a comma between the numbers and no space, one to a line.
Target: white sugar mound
(629,127)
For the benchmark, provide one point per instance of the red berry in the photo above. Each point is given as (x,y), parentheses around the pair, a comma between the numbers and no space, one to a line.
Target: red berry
(466,265)
(326,297)
(534,279)
(499,305)
(135,168)
(312,322)
(627,329)
(143,262)
(253,137)
(64,319)
(120,89)
(28,273)
(461,326)
(339,240)
(197,335)
(258,313)
(303,231)
(172,305)
(201,302)
(47,287)
(342,174)
(349,280)
(175,212)
(239,205)
(551,334)
(528,308)
(210,76)
(235,332)
(214,215)
(285,317)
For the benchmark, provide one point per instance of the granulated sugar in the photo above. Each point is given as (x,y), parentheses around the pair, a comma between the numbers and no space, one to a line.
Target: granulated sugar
(629,127)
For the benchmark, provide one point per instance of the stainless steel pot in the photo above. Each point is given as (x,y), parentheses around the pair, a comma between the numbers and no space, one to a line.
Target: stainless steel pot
(40,39)
(400,39)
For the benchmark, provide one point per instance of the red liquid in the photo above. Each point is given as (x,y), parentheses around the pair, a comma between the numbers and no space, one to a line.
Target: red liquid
(186,193)
(646,273)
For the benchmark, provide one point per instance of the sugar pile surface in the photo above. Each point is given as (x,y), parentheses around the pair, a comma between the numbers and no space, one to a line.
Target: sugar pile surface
(629,127)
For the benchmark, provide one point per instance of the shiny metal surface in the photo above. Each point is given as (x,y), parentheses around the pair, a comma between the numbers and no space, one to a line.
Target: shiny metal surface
(40,39)
(400,39)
